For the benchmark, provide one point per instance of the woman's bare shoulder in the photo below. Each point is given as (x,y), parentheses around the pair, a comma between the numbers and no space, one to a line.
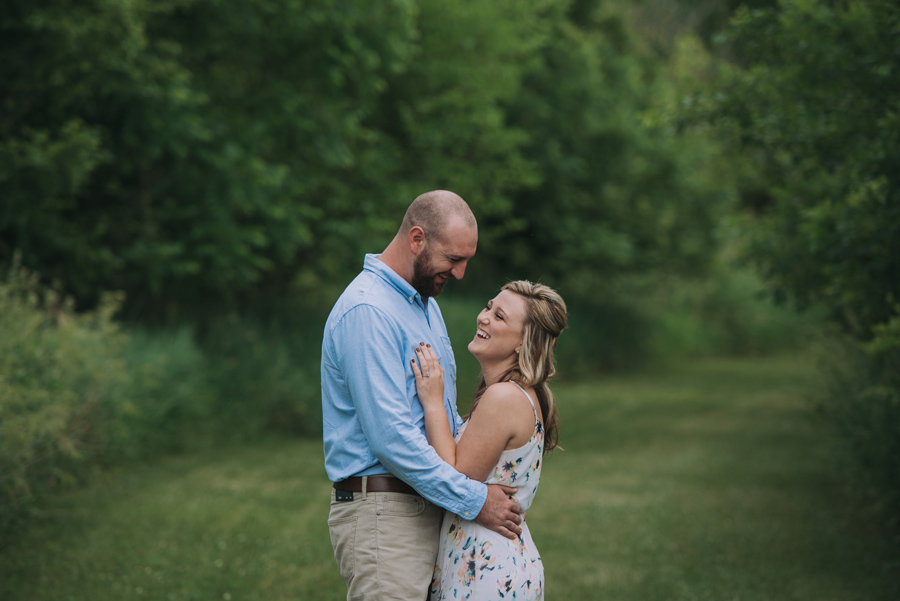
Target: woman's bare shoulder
(502,395)
(505,411)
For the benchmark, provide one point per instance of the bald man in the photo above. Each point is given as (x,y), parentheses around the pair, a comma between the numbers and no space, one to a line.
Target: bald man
(390,486)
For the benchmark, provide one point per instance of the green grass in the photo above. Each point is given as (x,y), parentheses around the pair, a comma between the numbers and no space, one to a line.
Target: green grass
(708,482)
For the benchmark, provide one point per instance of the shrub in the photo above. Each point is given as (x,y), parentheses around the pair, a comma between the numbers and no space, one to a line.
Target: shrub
(167,403)
(860,398)
(263,367)
(725,314)
(57,369)
(77,390)
(654,319)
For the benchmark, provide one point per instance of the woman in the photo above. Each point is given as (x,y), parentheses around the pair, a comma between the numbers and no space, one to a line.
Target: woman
(501,442)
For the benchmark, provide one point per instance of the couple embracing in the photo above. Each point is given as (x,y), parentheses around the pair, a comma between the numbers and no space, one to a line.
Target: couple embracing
(425,505)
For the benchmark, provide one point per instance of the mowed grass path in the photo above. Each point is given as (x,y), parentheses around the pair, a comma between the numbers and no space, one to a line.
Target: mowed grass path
(709,482)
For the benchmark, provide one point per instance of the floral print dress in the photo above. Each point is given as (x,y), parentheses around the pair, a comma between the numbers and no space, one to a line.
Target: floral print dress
(477,563)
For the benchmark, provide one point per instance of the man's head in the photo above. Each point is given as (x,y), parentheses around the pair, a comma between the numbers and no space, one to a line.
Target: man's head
(442,235)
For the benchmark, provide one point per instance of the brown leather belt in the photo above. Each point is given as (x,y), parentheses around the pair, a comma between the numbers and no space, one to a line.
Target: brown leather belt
(376,484)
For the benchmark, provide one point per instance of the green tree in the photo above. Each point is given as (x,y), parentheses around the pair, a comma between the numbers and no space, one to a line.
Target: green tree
(624,189)
(183,151)
(197,152)
(817,114)
(814,111)
(191,152)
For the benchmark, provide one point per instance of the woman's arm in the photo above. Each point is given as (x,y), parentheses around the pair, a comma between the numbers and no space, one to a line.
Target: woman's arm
(499,417)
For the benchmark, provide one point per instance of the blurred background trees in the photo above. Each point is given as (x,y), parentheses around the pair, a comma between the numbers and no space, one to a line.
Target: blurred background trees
(665,165)
(813,112)
(202,154)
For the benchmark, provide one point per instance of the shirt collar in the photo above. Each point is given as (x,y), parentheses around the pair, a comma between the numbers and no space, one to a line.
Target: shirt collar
(380,268)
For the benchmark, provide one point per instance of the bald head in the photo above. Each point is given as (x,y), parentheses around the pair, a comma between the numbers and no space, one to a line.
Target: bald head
(437,212)
(437,238)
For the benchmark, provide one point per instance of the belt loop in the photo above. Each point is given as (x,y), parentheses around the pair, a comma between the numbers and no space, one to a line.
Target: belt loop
(365,482)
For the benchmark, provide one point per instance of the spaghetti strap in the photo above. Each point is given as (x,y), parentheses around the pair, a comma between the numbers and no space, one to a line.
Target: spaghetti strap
(533,408)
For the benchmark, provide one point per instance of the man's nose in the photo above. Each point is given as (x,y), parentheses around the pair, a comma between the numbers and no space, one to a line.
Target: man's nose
(459,270)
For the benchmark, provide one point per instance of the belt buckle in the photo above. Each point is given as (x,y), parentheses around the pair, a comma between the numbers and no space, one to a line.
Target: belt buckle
(342,495)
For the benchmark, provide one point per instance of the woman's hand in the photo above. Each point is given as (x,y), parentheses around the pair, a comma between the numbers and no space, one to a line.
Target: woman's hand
(429,376)
(430,387)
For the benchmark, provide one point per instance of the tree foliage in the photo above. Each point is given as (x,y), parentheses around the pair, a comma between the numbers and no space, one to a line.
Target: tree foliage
(181,150)
(194,152)
(623,188)
(817,114)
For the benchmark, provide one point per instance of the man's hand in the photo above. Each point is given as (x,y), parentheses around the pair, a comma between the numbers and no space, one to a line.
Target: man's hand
(500,513)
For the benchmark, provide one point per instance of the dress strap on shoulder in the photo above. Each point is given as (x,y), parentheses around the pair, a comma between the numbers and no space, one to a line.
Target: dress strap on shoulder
(528,396)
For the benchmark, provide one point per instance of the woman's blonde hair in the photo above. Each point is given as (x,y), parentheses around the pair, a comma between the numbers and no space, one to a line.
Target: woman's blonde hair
(545,319)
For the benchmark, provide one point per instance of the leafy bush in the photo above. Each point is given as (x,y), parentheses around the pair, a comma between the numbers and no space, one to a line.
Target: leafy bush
(167,404)
(664,320)
(76,390)
(729,314)
(264,370)
(860,397)
(57,370)
(653,320)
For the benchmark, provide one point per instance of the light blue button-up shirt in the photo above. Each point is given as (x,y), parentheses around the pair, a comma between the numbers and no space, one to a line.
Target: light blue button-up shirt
(373,421)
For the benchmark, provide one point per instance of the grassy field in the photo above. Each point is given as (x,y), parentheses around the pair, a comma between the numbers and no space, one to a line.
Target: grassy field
(710,482)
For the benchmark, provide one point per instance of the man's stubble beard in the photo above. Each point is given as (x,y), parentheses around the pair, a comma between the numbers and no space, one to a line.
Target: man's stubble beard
(422,280)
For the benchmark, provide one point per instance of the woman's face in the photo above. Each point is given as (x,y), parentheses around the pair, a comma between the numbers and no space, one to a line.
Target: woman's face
(499,328)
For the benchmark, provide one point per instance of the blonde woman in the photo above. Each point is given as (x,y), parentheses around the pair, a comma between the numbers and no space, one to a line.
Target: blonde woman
(513,422)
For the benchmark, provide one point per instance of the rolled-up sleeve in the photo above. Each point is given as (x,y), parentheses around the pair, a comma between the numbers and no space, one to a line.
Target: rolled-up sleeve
(370,353)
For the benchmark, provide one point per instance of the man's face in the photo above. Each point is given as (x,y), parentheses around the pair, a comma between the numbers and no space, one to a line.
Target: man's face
(439,261)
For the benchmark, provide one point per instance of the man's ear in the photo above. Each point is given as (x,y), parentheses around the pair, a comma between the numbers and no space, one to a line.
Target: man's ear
(416,239)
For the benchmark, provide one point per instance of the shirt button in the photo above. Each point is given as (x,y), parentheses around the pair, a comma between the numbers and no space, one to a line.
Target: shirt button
(467,514)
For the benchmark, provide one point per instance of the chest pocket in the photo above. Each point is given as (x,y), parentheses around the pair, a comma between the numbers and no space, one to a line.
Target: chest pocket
(447,361)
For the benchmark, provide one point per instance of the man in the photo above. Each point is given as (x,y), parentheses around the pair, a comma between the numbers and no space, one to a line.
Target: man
(389,484)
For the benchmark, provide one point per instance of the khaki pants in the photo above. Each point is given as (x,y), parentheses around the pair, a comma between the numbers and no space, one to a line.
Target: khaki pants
(385,544)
